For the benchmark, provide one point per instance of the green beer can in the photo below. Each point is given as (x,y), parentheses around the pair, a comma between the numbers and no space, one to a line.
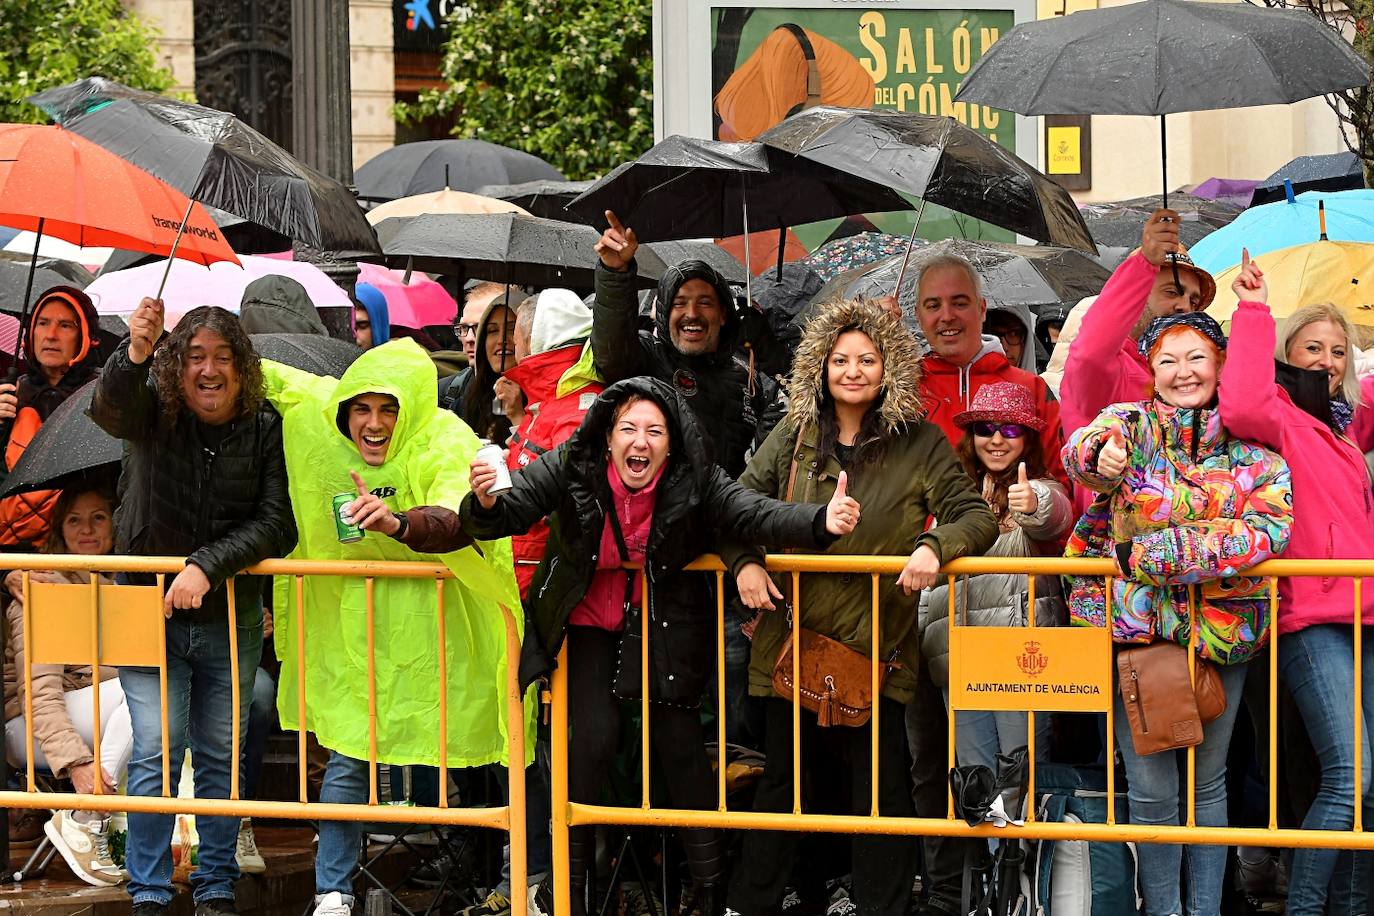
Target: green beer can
(348,533)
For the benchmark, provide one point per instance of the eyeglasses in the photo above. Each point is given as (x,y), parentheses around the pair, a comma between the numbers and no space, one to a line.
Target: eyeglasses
(1008,430)
(465,330)
(1011,335)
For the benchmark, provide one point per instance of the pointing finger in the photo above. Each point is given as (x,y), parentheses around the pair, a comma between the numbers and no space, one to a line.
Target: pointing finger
(614,222)
(358,482)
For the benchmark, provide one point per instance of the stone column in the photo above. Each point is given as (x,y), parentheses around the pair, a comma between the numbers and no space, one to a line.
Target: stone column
(323,134)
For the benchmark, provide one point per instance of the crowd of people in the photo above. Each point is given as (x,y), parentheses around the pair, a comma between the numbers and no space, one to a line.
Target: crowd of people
(1157,442)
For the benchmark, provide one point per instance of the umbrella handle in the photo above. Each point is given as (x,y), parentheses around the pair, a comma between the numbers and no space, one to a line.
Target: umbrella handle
(910,243)
(176,243)
(748,263)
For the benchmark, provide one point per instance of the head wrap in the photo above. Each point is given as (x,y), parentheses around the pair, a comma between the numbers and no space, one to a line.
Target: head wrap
(1201,322)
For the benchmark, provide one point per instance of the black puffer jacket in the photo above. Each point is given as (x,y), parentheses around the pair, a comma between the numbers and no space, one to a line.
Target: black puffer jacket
(223,510)
(694,501)
(715,385)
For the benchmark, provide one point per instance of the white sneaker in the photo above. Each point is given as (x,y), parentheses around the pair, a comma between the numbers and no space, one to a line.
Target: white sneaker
(85,847)
(333,904)
(249,859)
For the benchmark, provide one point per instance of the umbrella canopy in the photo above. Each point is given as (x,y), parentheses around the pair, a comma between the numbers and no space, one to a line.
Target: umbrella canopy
(725,264)
(416,304)
(685,188)
(1234,191)
(14,276)
(432,165)
(509,248)
(1030,275)
(1119,223)
(62,185)
(215,158)
(939,160)
(54,249)
(1349,218)
(1323,271)
(445,201)
(1332,172)
(859,250)
(119,293)
(545,198)
(69,442)
(1162,56)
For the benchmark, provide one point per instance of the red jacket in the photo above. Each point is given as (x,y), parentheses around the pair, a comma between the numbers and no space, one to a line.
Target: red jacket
(549,421)
(948,390)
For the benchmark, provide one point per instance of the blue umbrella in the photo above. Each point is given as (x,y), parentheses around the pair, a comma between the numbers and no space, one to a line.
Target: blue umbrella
(1349,218)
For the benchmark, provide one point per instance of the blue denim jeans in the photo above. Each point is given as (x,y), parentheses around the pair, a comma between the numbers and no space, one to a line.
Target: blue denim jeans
(1318,666)
(345,783)
(261,714)
(198,692)
(1157,797)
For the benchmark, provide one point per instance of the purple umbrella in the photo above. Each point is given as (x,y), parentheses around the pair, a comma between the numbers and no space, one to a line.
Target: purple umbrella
(1230,190)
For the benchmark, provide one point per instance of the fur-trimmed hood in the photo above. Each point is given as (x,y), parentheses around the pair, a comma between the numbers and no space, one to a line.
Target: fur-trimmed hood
(901,362)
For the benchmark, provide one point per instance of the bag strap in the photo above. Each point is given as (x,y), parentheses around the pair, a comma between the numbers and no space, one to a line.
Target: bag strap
(613,518)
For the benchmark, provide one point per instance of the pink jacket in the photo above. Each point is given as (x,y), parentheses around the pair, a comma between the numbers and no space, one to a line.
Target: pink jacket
(1103,366)
(604,603)
(1333,506)
(1361,430)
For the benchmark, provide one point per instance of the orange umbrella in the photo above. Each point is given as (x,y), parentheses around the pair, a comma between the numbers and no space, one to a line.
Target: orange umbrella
(763,249)
(58,183)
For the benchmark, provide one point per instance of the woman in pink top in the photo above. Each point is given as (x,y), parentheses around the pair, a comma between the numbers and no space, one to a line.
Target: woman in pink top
(1333,518)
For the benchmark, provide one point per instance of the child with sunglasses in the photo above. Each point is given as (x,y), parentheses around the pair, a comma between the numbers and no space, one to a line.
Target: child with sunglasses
(1003,452)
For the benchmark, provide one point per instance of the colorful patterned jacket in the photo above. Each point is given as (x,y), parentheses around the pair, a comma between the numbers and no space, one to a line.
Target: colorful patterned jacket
(1194,507)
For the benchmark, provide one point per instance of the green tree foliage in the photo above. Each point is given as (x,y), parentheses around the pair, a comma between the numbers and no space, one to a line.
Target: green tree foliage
(570,81)
(45,43)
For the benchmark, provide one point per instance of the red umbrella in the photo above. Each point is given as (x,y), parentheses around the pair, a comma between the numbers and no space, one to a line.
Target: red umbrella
(54,182)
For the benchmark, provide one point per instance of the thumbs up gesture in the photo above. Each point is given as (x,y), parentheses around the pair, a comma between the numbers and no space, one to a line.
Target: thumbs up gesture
(1020,497)
(1111,461)
(842,514)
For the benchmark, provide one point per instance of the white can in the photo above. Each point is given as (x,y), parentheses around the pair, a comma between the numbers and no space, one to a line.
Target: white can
(495,456)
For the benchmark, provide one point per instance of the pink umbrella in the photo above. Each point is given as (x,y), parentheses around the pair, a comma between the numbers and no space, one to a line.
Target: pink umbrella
(220,284)
(416,304)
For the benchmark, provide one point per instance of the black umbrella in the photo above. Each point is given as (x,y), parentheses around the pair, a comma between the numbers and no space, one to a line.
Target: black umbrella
(213,157)
(432,165)
(670,253)
(1119,223)
(69,443)
(1157,57)
(544,197)
(14,275)
(685,188)
(1029,275)
(502,247)
(1333,172)
(938,160)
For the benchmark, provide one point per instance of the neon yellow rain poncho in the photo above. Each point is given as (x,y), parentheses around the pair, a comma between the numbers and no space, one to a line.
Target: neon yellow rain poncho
(427,465)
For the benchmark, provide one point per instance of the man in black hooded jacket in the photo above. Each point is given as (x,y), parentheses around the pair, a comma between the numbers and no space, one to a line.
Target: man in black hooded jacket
(694,349)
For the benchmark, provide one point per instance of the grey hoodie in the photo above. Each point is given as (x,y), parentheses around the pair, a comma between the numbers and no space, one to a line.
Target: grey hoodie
(275,304)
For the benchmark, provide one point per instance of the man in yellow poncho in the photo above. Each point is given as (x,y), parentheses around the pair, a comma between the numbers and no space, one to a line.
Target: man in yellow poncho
(378,435)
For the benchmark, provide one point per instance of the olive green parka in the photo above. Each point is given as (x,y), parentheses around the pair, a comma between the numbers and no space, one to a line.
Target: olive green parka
(918,477)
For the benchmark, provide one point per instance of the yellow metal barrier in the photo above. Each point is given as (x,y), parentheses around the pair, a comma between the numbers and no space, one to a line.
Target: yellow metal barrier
(99,624)
(1095,652)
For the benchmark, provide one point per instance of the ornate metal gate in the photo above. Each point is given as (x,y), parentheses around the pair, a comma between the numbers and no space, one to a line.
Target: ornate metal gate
(243,62)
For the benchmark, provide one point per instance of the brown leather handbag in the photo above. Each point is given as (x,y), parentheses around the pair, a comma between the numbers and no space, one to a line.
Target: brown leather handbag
(836,682)
(1164,708)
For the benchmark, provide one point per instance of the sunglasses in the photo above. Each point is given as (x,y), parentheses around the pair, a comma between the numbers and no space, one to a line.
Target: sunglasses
(988,430)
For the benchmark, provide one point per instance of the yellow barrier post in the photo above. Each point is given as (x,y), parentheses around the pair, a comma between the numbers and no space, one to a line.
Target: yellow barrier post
(1273,703)
(443,697)
(558,783)
(300,687)
(1359,706)
(721,705)
(796,694)
(515,770)
(1111,714)
(952,733)
(644,685)
(162,688)
(28,681)
(370,586)
(235,699)
(98,783)
(877,696)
